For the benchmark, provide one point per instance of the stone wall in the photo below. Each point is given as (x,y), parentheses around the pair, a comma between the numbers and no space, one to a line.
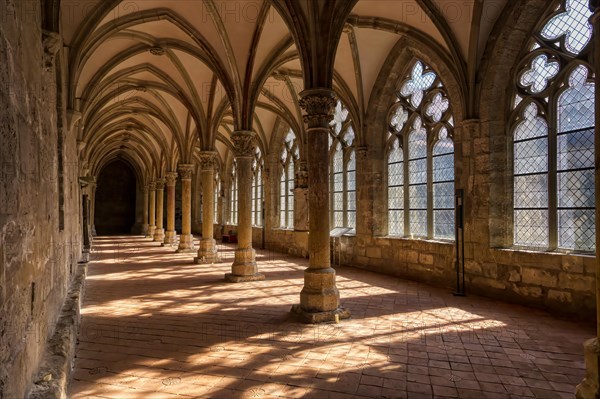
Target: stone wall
(39,194)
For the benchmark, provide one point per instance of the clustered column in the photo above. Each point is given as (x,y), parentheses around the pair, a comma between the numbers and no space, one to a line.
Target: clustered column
(146,201)
(319,298)
(244,266)
(186,240)
(170,232)
(152,210)
(590,386)
(207,253)
(159,233)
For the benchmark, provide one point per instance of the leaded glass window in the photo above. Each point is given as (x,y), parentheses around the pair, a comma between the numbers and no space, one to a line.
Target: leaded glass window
(553,136)
(234,195)
(342,170)
(257,188)
(289,158)
(420,161)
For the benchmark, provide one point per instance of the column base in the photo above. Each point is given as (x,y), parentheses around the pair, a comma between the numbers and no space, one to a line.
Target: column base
(169,238)
(319,293)
(151,229)
(590,386)
(186,244)
(207,252)
(145,228)
(232,278)
(94,230)
(244,267)
(331,316)
(159,235)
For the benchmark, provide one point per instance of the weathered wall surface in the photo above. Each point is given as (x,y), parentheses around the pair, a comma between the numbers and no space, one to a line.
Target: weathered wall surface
(39,197)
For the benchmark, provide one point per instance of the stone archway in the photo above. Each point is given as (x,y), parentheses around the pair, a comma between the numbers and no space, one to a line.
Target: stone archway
(115,199)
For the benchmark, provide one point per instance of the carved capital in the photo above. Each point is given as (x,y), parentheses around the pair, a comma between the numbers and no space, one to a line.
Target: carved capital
(244,143)
(319,105)
(208,160)
(348,28)
(361,153)
(160,183)
(52,42)
(171,179)
(185,171)
(152,186)
(146,188)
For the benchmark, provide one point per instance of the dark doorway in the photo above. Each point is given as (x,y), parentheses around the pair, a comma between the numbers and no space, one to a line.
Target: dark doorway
(115,199)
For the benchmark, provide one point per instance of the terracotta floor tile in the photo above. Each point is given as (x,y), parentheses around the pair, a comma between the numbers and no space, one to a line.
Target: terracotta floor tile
(155,325)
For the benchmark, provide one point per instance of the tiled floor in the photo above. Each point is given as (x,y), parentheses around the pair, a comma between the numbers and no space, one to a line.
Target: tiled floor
(157,326)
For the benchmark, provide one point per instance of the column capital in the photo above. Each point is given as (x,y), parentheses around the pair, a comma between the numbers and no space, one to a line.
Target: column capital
(319,105)
(171,179)
(185,171)
(160,183)
(244,143)
(152,185)
(362,152)
(146,188)
(208,160)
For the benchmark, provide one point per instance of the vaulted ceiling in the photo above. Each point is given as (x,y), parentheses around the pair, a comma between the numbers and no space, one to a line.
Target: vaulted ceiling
(157,81)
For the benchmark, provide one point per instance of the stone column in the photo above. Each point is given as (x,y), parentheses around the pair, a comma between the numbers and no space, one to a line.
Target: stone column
(320,298)
(301,198)
(590,386)
(152,210)
(186,240)
(145,210)
(244,266)
(159,233)
(170,232)
(207,253)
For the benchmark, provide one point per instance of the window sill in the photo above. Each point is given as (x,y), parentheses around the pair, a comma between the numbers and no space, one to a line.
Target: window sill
(541,251)
(421,239)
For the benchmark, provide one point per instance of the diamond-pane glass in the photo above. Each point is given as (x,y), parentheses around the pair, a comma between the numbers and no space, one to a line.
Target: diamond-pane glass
(443,188)
(572,24)
(351,190)
(531,227)
(437,108)
(532,125)
(419,82)
(540,73)
(418,223)
(396,191)
(577,229)
(531,191)
(576,104)
(576,189)
(443,221)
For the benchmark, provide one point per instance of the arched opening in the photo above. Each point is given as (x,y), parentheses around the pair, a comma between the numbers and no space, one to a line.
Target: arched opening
(115,199)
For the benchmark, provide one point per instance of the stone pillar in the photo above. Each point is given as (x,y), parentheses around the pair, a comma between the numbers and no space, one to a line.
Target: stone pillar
(170,232)
(590,386)
(207,253)
(186,240)
(145,210)
(152,210)
(159,233)
(244,266)
(319,299)
(301,198)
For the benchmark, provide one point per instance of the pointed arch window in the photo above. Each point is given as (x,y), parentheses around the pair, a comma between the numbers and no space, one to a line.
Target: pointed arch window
(217,188)
(234,195)
(420,158)
(289,159)
(257,189)
(552,129)
(342,170)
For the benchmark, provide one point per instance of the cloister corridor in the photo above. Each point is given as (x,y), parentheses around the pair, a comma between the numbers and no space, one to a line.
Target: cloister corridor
(155,325)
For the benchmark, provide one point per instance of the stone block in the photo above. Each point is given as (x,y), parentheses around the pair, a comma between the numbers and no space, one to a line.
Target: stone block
(528,291)
(473,267)
(426,259)
(573,264)
(412,257)
(560,296)
(577,282)
(545,278)
(488,282)
(373,252)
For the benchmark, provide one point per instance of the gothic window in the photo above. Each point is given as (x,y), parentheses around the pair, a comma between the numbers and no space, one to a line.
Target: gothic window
(420,158)
(257,188)
(288,159)
(342,170)
(234,195)
(217,188)
(553,136)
